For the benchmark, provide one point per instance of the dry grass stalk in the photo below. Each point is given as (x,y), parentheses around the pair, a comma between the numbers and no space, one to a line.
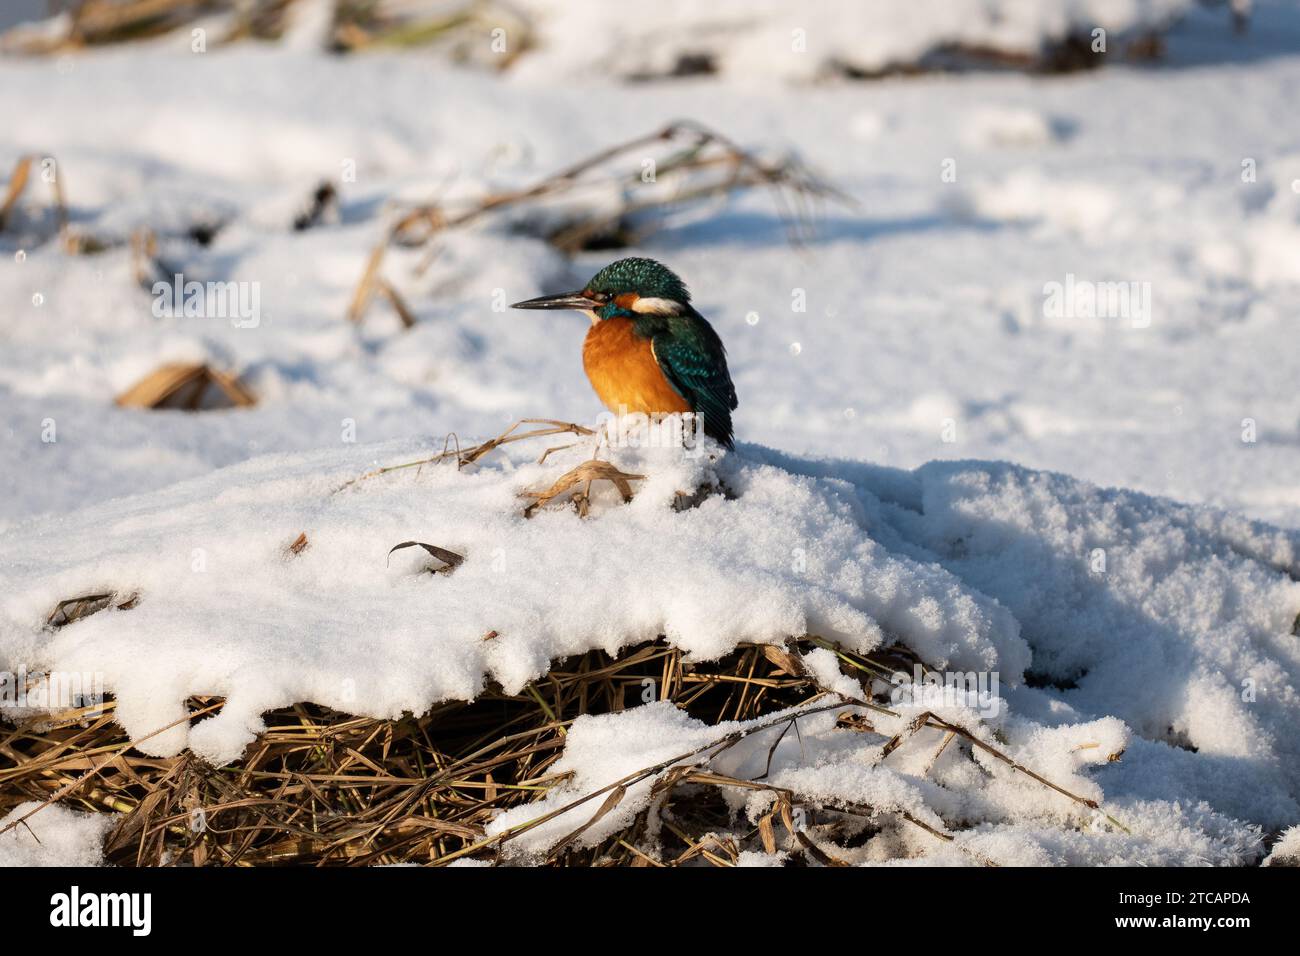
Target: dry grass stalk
(186,386)
(14,191)
(17,185)
(468,456)
(362,26)
(393,298)
(365,289)
(144,259)
(327,789)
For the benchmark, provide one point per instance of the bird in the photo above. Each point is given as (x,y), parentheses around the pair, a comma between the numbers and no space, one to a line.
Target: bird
(648,350)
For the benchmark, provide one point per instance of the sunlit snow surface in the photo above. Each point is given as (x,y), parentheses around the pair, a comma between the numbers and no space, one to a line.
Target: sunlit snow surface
(927,337)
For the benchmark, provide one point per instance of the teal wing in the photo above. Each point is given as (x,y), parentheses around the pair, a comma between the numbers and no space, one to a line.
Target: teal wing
(693,359)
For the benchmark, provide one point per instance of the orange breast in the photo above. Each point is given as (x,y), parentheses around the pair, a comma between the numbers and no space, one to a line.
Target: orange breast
(624,373)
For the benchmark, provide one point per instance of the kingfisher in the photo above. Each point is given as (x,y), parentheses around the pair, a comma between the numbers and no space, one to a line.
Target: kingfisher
(648,350)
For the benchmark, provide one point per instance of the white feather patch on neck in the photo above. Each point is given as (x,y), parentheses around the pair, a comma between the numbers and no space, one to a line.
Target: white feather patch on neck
(649,305)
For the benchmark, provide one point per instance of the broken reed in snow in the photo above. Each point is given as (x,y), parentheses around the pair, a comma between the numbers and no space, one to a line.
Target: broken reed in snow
(189,387)
(20,178)
(701,162)
(576,482)
(324,788)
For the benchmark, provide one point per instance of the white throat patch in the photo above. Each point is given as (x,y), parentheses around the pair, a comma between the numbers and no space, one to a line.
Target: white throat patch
(648,305)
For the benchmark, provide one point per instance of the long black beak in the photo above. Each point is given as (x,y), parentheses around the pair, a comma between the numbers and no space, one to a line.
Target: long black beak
(566,300)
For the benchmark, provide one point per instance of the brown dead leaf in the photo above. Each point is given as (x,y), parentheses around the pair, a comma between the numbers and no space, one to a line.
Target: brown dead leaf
(784,661)
(450,559)
(74,609)
(588,471)
(188,387)
(767,833)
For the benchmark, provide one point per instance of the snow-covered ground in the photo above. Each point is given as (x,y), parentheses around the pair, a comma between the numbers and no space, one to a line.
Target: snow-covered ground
(947,317)
(926,303)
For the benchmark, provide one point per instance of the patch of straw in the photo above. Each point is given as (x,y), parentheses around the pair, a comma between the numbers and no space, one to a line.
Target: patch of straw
(323,788)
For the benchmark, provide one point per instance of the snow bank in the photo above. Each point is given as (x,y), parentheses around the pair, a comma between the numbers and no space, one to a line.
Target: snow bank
(1159,630)
(223,611)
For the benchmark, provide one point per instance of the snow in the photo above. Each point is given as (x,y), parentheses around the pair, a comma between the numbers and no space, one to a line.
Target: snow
(1286,852)
(56,836)
(1131,580)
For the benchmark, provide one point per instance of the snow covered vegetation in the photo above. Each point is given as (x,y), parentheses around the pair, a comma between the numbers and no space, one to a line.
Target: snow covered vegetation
(1003,569)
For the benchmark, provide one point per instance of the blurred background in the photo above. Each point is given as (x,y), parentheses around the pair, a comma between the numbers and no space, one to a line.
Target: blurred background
(1065,234)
